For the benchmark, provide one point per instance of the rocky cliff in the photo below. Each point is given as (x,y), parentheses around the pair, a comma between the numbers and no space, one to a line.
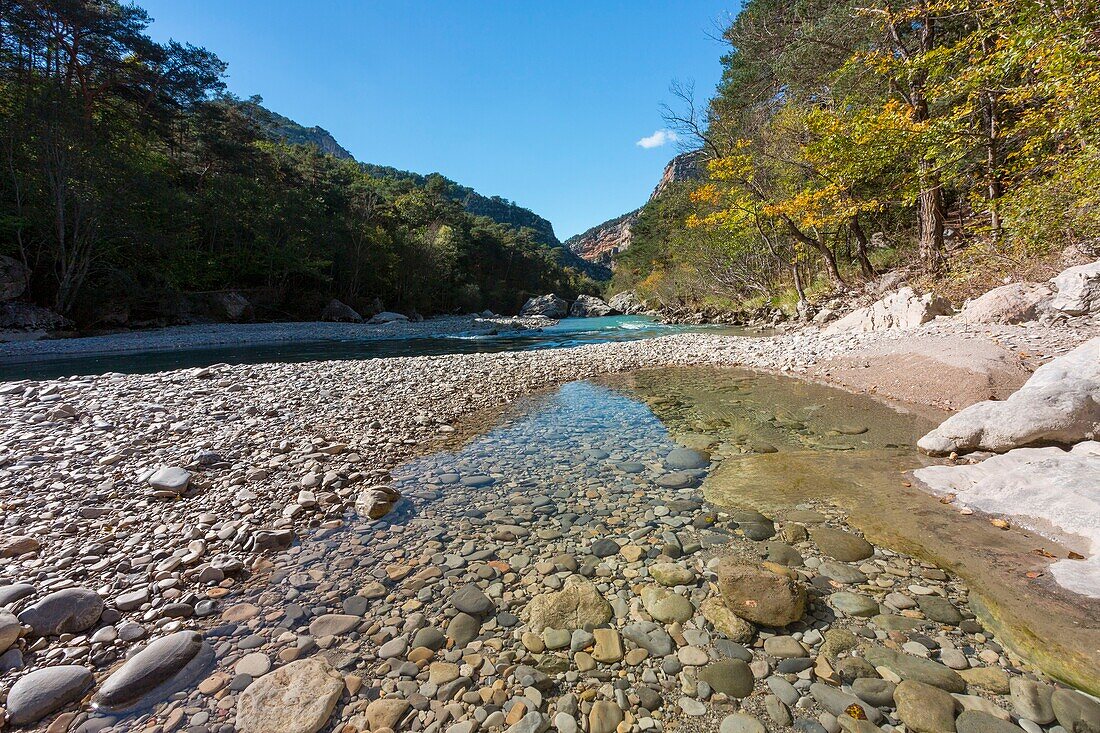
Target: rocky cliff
(602,242)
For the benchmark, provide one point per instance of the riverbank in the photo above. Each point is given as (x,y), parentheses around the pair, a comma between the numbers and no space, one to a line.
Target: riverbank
(278,451)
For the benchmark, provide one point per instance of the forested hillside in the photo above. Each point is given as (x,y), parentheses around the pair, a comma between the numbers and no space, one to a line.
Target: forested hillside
(132,182)
(960,138)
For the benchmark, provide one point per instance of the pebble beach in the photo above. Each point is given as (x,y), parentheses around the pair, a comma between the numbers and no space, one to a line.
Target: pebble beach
(328,546)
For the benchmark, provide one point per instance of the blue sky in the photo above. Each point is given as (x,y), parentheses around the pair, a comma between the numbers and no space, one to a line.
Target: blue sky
(543,103)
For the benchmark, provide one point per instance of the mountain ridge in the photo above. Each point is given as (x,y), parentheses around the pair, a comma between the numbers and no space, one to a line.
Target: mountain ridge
(497,208)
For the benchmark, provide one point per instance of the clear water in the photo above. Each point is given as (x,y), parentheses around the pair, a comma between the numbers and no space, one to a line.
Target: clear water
(775,443)
(564,333)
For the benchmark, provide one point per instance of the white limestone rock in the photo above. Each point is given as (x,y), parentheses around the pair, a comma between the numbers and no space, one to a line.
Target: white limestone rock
(900,309)
(1051,491)
(1060,403)
(1009,304)
(1077,290)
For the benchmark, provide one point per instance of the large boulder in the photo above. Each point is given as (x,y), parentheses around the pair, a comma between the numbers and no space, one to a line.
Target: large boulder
(1077,290)
(232,306)
(550,306)
(1012,303)
(166,666)
(24,316)
(627,302)
(67,611)
(1060,403)
(14,276)
(43,691)
(296,698)
(388,317)
(589,306)
(340,313)
(578,605)
(900,309)
(761,596)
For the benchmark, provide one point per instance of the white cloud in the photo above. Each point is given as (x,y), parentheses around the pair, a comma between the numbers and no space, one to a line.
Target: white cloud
(657,139)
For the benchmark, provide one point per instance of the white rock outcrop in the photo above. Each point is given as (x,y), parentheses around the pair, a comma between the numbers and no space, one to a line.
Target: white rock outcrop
(900,309)
(1077,290)
(1051,491)
(1060,403)
(589,306)
(1008,304)
(388,317)
(627,302)
(548,305)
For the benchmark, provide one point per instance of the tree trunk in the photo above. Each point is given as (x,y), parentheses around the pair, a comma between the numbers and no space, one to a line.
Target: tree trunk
(823,249)
(861,248)
(803,304)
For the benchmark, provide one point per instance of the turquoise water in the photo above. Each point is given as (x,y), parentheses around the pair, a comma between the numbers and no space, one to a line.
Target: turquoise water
(565,333)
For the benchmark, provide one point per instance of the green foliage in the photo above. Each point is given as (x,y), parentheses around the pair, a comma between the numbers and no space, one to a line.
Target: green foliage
(130,179)
(945,126)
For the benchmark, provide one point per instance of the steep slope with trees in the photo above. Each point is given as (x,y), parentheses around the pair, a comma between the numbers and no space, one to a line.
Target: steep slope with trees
(958,138)
(133,187)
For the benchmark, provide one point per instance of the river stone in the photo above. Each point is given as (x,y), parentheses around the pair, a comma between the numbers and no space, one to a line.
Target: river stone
(784,647)
(67,611)
(686,458)
(783,554)
(1031,700)
(463,629)
(39,693)
(333,624)
(741,723)
(841,573)
(386,713)
(753,524)
(165,666)
(854,604)
(841,545)
(665,605)
(924,708)
(10,629)
(469,599)
(728,623)
(604,547)
(171,478)
(296,698)
(670,574)
(1075,712)
(893,622)
(761,596)
(838,702)
(604,717)
(676,480)
(18,545)
(879,693)
(729,676)
(975,721)
(578,605)
(837,641)
(917,669)
(991,679)
(939,609)
(651,637)
(9,594)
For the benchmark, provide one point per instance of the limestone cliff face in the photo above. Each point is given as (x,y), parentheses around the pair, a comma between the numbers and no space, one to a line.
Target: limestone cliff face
(684,167)
(602,242)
